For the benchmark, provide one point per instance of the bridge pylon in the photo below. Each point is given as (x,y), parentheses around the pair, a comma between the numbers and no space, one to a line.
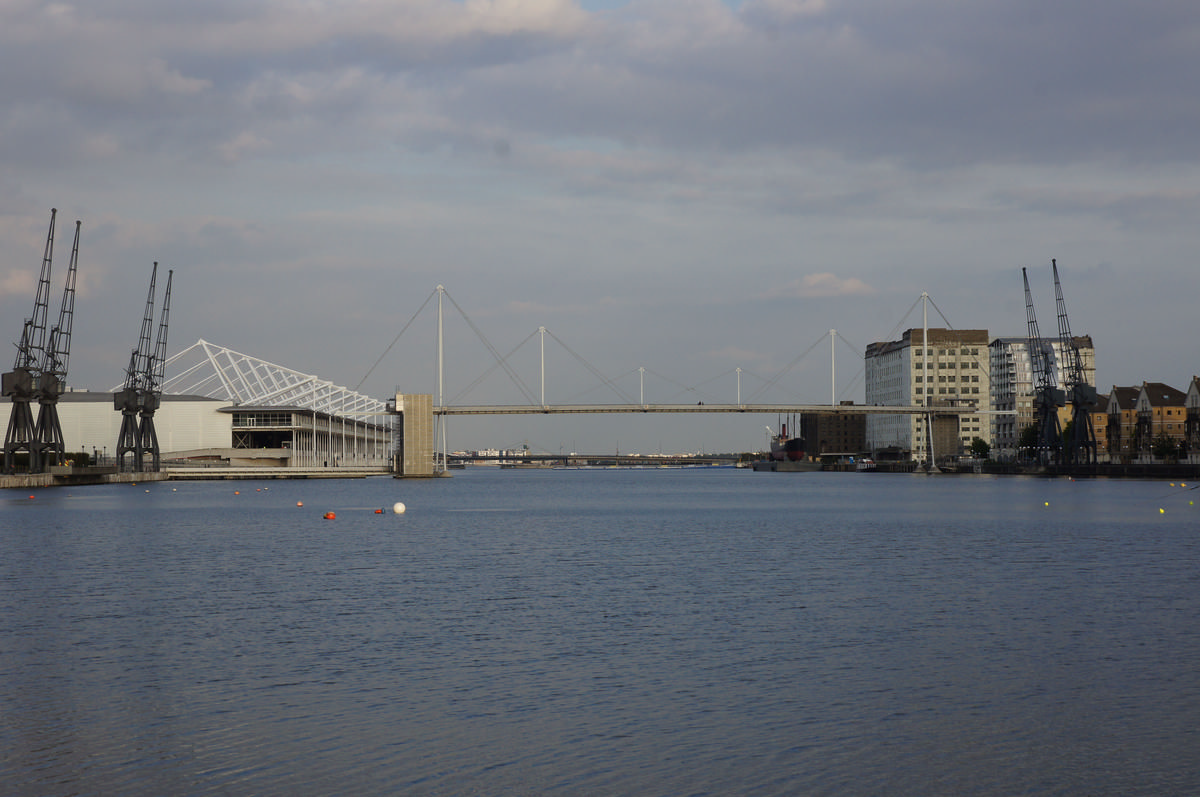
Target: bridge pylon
(414,457)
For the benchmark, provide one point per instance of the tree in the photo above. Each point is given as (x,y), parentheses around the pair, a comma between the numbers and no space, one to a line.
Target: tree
(980,448)
(1164,447)
(1028,440)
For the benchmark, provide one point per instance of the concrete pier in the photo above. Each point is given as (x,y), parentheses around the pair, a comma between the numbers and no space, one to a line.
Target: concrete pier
(70,476)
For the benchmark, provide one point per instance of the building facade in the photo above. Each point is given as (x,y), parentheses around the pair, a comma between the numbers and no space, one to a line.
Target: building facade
(1121,428)
(1013,389)
(1161,415)
(950,371)
(182,423)
(834,432)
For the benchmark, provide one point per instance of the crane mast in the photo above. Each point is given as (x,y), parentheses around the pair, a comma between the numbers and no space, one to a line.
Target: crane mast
(20,385)
(151,391)
(48,435)
(1079,446)
(1047,398)
(128,400)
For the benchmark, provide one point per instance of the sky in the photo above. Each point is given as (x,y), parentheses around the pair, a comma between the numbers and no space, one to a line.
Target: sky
(688,187)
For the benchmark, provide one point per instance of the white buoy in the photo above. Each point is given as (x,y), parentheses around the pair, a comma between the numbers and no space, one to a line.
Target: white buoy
(398,508)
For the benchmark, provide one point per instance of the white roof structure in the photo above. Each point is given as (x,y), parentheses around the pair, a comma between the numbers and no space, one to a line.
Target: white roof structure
(204,369)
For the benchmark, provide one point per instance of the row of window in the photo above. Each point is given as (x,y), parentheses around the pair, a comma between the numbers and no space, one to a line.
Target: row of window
(942,391)
(262,419)
(972,351)
(950,365)
(965,379)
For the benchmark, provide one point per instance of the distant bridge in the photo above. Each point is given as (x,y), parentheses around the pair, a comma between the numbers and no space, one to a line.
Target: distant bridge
(772,409)
(423,440)
(420,456)
(519,458)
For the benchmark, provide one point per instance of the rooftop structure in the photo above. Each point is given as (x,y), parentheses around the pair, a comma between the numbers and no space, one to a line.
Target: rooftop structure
(304,420)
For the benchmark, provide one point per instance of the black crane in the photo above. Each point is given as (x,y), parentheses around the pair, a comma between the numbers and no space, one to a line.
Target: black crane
(20,384)
(48,435)
(128,400)
(1079,445)
(1047,397)
(151,389)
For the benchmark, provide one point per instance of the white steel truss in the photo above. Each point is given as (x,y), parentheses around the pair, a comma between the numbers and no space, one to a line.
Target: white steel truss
(204,369)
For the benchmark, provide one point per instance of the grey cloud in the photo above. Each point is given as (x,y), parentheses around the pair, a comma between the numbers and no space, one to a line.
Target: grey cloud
(642,178)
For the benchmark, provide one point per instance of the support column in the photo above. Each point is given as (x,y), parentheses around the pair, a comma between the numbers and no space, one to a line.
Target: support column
(416,454)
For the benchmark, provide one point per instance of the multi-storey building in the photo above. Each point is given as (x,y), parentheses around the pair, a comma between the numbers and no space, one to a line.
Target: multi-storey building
(1161,412)
(834,432)
(1013,388)
(1191,424)
(1100,427)
(948,371)
(1121,428)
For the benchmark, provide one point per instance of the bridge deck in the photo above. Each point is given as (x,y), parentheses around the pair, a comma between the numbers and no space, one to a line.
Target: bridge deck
(772,409)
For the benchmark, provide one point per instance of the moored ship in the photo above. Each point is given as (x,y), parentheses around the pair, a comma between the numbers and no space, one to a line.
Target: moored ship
(786,449)
(787,454)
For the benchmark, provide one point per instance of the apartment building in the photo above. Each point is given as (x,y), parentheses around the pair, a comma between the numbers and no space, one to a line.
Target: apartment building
(1013,388)
(1161,412)
(949,371)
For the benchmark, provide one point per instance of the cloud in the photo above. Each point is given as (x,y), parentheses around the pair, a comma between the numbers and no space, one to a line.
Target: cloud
(336,159)
(19,284)
(823,285)
(242,144)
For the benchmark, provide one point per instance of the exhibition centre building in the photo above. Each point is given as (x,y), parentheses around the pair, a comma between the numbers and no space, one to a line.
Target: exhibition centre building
(220,407)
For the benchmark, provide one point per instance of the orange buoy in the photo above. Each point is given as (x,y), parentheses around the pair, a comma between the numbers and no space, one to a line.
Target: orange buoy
(378,511)
(299,503)
(330,516)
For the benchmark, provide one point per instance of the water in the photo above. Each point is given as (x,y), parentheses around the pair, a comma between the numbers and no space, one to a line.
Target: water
(665,632)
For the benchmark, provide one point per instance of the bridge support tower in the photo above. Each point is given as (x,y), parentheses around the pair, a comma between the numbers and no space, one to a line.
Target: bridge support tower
(415,456)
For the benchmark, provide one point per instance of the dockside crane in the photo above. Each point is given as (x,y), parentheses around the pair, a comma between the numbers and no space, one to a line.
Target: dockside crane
(151,390)
(20,385)
(128,400)
(1079,446)
(48,435)
(1047,397)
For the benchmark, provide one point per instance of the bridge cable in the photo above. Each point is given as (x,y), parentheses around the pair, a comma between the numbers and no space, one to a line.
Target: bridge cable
(786,369)
(516,379)
(862,371)
(454,399)
(393,343)
(591,368)
(585,391)
(683,387)
(792,393)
